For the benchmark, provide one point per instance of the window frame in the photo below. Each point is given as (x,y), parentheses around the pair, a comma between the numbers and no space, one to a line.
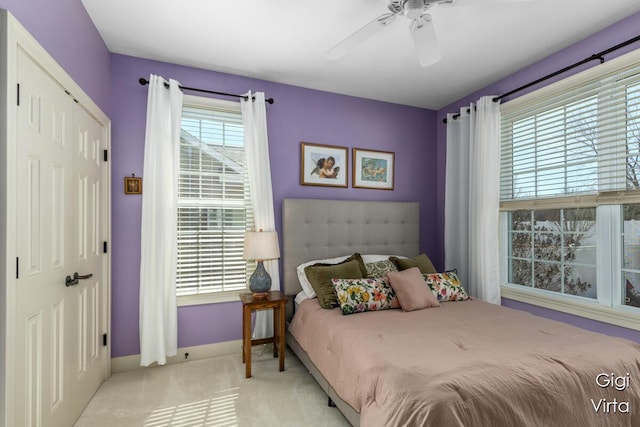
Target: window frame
(608,307)
(221,296)
(533,234)
(604,308)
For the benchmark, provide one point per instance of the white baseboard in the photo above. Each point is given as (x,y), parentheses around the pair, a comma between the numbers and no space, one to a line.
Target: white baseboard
(130,363)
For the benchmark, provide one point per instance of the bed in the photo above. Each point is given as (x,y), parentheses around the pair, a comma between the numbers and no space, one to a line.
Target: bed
(463,363)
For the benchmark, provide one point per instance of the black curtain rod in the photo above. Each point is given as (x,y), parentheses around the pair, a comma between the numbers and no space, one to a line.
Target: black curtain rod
(144,81)
(597,56)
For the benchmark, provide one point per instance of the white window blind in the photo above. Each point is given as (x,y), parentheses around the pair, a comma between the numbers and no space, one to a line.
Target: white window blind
(214,204)
(577,137)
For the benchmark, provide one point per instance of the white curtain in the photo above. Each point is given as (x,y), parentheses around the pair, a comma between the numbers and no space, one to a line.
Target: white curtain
(158,309)
(472,198)
(456,204)
(254,117)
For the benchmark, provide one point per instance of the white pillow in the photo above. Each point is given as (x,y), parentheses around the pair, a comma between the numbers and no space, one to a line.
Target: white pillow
(302,295)
(375,258)
(302,277)
(306,285)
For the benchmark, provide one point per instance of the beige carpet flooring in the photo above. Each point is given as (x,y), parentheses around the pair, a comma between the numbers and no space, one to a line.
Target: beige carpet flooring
(213,392)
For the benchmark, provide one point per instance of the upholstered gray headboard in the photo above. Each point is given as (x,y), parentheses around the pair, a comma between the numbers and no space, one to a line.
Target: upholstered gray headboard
(317,229)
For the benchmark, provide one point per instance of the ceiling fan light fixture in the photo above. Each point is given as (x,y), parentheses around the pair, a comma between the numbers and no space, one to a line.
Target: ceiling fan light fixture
(420,22)
(413,9)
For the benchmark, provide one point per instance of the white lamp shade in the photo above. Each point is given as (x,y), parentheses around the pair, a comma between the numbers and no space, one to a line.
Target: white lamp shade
(260,245)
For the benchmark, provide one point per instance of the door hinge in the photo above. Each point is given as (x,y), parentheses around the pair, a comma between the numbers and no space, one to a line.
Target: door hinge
(17,267)
(104,340)
(18,94)
(104,247)
(105,155)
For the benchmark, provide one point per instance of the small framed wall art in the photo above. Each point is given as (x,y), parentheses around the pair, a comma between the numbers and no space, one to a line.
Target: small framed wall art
(373,169)
(324,165)
(132,185)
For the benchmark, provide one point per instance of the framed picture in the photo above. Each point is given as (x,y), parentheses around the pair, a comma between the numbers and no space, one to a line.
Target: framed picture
(132,185)
(324,165)
(373,169)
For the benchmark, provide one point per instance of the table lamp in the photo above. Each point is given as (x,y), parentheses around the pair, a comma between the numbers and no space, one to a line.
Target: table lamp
(260,245)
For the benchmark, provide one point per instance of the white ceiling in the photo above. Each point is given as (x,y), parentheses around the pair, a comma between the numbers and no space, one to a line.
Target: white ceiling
(285,41)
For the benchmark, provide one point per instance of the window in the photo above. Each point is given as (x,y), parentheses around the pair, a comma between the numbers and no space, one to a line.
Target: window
(570,194)
(214,203)
(631,255)
(555,250)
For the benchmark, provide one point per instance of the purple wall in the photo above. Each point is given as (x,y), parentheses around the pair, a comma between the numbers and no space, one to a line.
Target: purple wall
(65,30)
(417,136)
(611,36)
(297,115)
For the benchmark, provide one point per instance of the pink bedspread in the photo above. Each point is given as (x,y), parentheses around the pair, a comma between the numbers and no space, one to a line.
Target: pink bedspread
(471,364)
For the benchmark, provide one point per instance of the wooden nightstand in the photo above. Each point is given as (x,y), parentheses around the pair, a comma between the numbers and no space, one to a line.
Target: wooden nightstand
(275,300)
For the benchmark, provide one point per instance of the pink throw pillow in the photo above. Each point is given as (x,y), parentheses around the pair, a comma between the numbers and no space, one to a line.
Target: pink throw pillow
(412,291)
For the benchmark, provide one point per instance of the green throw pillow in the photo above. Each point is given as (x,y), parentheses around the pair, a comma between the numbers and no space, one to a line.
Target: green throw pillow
(320,278)
(421,261)
(356,256)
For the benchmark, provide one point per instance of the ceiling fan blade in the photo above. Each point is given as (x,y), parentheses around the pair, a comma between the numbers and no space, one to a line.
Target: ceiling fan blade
(339,50)
(425,40)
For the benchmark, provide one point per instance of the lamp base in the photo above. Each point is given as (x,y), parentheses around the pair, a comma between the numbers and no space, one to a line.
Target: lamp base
(260,282)
(260,295)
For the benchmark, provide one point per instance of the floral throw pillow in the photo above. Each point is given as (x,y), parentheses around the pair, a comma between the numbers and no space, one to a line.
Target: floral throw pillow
(359,295)
(380,268)
(446,286)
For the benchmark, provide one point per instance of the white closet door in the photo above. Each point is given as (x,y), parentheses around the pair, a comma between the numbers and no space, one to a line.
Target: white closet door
(58,197)
(89,294)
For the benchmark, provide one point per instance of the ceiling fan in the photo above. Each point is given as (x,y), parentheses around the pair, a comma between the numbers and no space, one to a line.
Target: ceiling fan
(420,26)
